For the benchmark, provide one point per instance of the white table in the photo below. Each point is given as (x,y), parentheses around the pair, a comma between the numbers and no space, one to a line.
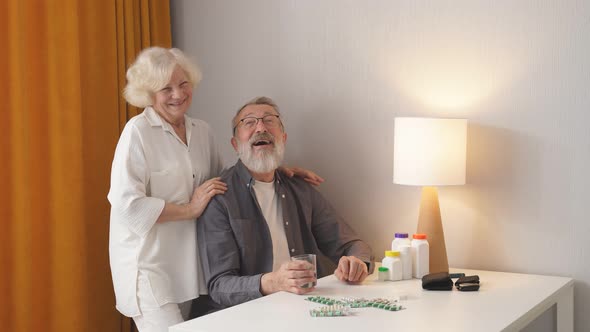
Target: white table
(505,302)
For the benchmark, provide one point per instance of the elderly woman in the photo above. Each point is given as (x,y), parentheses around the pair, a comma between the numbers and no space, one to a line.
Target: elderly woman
(163,176)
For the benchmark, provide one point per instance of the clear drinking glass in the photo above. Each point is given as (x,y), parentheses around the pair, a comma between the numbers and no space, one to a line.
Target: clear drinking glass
(310,258)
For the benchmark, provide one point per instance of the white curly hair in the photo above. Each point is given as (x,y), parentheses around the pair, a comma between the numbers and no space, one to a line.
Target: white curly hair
(152,70)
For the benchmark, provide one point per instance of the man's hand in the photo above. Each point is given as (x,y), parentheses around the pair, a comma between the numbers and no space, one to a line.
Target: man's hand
(289,277)
(307,175)
(351,269)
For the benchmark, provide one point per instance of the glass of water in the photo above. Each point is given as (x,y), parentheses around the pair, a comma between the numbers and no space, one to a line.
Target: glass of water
(310,258)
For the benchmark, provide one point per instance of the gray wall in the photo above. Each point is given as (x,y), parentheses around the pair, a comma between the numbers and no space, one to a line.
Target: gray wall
(342,70)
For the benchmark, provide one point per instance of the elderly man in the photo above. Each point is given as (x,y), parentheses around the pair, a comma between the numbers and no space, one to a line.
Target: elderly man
(247,236)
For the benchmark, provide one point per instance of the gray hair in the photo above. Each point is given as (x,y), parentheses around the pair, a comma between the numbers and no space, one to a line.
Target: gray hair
(152,70)
(256,101)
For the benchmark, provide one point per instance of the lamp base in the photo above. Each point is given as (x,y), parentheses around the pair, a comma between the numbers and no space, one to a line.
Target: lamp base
(430,223)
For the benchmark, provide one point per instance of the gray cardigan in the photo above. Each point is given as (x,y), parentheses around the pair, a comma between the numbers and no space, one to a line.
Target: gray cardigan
(235,244)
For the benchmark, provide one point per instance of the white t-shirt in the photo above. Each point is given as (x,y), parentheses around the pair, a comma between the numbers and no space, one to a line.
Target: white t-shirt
(152,166)
(271,210)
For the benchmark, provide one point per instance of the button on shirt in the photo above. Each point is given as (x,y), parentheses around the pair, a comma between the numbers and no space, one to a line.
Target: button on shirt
(153,166)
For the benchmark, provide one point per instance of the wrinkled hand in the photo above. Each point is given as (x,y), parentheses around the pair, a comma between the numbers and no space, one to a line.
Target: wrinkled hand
(351,269)
(203,194)
(289,277)
(307,175)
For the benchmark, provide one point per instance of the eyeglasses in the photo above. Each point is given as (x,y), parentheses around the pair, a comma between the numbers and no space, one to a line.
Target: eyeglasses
(269,121)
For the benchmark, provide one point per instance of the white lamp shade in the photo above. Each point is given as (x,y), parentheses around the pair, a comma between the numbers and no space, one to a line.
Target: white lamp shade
(429,151)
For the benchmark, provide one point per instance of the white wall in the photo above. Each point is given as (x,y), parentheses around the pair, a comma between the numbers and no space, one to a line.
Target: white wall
(342,70)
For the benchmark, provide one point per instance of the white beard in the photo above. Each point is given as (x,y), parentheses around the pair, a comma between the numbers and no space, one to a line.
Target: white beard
(262,161)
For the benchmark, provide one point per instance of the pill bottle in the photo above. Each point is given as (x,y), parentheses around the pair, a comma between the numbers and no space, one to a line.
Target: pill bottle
(393,262)
(400,239)
(420,256)
(383,273)
(405,254)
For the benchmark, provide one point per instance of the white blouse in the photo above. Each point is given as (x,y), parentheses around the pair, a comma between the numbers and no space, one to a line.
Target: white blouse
(152,166)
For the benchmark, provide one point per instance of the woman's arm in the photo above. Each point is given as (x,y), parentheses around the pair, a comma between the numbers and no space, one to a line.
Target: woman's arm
(307,175)
(201,197)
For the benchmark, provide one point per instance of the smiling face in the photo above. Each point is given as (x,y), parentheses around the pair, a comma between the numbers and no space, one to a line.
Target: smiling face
(261,147)
(174,99)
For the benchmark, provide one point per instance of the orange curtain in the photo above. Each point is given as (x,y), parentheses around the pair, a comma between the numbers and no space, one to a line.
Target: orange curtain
(62,76)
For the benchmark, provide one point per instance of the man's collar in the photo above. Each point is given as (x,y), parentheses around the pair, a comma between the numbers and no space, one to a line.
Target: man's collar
(247,178)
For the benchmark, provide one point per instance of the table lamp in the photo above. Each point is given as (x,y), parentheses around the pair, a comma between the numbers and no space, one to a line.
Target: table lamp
(430,152)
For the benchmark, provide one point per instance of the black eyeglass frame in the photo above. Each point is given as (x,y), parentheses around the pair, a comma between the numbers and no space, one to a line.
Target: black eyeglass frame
(257,120)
